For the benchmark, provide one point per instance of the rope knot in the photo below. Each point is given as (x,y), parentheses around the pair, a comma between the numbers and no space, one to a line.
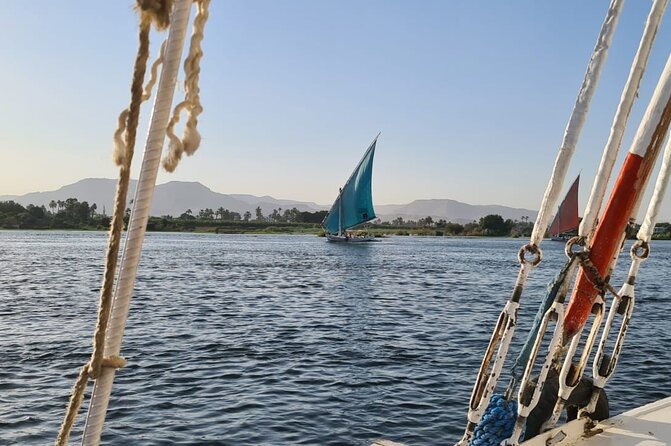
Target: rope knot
(158,11)
(114,362)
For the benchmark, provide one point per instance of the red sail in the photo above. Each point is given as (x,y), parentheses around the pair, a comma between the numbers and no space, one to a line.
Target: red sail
(567,217)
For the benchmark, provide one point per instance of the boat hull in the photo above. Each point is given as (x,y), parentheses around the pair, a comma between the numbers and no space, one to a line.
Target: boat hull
(345,239)
(645,425)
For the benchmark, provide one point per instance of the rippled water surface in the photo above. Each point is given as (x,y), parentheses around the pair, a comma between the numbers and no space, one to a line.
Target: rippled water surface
(284,340)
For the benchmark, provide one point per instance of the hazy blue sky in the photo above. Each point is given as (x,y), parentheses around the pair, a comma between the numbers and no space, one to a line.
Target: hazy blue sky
(471,97)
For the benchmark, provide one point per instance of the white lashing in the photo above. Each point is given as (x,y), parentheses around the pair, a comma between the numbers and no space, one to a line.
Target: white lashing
(627,99)
(602,372)
(577,121)
(483,392)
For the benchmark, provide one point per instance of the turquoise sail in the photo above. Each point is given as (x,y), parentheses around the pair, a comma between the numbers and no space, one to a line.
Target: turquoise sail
(354,204)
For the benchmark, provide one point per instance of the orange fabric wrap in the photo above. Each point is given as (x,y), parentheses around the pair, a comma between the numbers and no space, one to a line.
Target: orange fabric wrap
(606,242)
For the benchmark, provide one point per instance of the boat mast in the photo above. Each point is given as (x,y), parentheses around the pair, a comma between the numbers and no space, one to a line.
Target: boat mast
(340,212)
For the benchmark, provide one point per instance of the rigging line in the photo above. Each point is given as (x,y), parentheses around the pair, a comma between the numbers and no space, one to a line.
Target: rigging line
(629,94)
(577,120)
(624,200)
(139,216)
(623,302)
(123,155)
(486,381)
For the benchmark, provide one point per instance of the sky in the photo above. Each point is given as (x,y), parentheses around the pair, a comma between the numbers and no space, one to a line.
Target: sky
(472,97)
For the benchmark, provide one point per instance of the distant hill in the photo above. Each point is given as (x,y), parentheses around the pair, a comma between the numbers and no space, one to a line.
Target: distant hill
(175,197)
(450,210)
(172,198)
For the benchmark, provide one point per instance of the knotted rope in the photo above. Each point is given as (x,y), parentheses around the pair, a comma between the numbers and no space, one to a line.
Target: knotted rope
(496,424)
(158,12)
(191,103)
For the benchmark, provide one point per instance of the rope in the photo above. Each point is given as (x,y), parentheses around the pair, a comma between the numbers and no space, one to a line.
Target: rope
(150,12)
(153,77)
(497,423)
(577,120)
(629,95)
(643,243)
(137,226)
(552,291)
(191,103)
(120,150)
(574,126)
(650,219)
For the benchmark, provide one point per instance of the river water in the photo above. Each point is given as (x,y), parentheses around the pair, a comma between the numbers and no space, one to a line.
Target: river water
(285,340)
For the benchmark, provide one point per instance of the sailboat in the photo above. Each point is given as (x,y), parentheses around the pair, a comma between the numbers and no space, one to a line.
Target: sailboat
(567,218)
(354,204)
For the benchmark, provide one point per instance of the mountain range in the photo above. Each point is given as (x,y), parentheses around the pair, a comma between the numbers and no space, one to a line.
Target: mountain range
(175,197)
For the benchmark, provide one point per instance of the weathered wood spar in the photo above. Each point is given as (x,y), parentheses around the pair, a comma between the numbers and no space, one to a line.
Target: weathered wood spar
(623,202)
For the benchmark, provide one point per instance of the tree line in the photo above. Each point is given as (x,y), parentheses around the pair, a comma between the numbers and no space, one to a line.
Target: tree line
(73,214)
(292,215)
(489,225)
(68,214)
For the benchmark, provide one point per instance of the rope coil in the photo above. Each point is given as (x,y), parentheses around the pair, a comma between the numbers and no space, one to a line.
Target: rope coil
(497,422)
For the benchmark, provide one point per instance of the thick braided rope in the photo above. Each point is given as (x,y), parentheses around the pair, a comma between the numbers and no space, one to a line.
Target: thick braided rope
(93,368)
(191,103)
(497,423)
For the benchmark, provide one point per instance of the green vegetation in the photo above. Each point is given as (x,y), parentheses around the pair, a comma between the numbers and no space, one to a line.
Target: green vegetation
(490,225)
(73,214)
(68,214)
(662,231)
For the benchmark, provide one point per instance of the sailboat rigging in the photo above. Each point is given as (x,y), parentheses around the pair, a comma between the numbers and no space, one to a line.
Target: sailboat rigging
(567,218)
(354,204)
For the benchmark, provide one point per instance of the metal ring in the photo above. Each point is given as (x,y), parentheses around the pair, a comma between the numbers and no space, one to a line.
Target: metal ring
(573,241)
(531,248)
(638,245)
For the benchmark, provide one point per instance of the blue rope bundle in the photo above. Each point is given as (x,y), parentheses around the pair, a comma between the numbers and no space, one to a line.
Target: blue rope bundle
(496,424)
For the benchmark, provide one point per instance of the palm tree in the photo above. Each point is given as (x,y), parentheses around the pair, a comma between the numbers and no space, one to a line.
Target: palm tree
(52,205)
